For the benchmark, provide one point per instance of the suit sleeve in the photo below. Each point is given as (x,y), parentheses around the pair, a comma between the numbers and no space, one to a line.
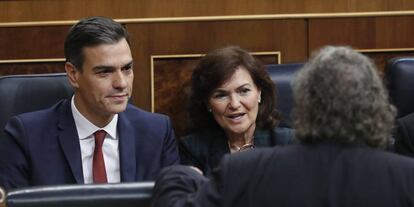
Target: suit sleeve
(180,185)
(404,142)
(14,165)
(169,150)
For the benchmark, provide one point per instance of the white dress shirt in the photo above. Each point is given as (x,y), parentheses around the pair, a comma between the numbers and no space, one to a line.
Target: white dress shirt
(87,146)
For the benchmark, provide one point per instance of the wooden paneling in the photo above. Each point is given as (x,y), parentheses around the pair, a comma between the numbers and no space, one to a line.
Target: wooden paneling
(357,32)
(31,68)
(362,32)
(365,33)
(32,42)
(286,36)
(51,10)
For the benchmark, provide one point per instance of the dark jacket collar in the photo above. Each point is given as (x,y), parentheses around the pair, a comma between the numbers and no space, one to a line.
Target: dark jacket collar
(69,142)
(127,158)
(69,139)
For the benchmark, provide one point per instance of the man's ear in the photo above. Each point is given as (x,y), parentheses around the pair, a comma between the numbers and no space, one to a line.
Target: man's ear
(72,74)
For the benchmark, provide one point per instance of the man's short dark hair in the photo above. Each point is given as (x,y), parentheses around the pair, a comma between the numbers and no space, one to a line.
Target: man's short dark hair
(89,32)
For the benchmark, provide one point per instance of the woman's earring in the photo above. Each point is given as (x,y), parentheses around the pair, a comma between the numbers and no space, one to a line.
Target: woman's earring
(209,109)
(260,99)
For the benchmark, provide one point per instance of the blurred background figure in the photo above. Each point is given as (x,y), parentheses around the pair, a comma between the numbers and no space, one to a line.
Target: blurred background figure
(232,108)
(342,119)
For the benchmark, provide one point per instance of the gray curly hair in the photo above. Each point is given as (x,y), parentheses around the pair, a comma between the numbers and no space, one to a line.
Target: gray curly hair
(339,96)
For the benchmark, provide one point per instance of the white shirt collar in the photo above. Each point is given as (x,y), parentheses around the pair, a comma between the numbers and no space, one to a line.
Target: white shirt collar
(86,128)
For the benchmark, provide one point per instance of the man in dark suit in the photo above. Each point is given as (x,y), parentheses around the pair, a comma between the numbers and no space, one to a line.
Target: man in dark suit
(96,136)
(342,119)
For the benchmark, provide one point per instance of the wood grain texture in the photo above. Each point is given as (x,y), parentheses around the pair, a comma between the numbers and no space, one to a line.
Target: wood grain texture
(31,68)
(32,42)
(172,87)
(363,32)
(52,10)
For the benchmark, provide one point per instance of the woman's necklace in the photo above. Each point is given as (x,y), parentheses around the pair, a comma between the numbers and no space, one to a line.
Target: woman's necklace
(234,148)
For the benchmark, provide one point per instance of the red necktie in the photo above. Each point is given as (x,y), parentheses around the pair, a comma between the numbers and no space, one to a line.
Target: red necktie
(98,170)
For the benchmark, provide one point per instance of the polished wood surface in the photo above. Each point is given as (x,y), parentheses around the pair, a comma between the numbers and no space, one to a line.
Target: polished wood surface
(373,33)
(362,32)
(51,10)
(31,68)
(32,42)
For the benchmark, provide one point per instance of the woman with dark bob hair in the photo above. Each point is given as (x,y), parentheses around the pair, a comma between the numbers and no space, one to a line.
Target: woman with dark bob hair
(232,108)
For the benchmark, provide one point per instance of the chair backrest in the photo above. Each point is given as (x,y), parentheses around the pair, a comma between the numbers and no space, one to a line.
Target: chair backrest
(399,75)
(24,93)
(282,75)
(102,195)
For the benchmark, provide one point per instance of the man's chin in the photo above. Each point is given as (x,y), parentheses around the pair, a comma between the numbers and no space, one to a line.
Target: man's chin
(118,109)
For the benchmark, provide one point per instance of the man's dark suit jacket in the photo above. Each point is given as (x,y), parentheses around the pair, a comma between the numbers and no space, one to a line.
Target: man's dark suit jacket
(404,140)
(205,149)
(323,174)
(42,147)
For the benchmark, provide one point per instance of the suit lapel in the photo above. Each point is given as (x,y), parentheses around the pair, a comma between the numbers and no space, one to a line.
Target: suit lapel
(127,154)
(69,141)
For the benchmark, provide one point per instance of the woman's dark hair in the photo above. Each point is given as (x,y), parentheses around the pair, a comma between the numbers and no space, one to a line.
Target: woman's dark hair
(91,32)
(217,67)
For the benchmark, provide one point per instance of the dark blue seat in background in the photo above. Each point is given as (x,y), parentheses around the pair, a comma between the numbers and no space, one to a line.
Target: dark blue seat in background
(282,75)
(399,76)
(24,93)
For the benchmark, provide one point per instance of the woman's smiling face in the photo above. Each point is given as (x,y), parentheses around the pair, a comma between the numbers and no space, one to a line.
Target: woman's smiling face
(235,103)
